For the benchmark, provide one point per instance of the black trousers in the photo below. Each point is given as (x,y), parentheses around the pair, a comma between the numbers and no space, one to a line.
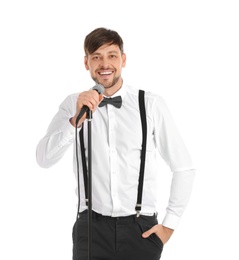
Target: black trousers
(116,238)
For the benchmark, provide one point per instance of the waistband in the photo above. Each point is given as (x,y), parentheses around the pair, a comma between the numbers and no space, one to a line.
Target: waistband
(130,218)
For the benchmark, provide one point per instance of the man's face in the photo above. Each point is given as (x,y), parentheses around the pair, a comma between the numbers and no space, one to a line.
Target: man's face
(105,65)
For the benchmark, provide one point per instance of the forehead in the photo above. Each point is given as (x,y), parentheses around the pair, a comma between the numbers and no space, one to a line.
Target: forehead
(107,48)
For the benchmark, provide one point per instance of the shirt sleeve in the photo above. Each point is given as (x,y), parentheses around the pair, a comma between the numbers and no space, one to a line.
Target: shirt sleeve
(59,136)
(174,152)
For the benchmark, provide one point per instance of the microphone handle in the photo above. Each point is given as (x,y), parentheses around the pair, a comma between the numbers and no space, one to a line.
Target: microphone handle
(82,112)
(100,89)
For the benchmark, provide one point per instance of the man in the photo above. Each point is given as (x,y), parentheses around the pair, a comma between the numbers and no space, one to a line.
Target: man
(124,226)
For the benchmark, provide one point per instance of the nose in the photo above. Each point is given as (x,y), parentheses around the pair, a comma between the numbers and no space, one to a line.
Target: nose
(104,63)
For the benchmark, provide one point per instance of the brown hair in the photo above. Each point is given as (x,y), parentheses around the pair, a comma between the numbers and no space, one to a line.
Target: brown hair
(101,36)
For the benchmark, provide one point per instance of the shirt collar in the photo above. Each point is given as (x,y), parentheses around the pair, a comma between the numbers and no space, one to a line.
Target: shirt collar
(121,92)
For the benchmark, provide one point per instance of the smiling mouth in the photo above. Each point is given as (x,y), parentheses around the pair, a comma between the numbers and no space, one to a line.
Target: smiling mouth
(105,73)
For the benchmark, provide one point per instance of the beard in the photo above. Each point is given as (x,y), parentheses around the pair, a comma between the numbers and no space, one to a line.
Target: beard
(109,84)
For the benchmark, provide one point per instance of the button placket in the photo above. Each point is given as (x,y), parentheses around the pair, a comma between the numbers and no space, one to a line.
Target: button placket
(113,158)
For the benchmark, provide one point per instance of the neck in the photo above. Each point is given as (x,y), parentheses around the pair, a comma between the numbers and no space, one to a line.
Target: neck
(110,91)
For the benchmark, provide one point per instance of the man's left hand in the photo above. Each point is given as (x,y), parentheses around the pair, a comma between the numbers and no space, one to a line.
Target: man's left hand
(161,231)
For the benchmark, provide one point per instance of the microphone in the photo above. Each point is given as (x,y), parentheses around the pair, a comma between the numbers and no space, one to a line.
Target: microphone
(100,89)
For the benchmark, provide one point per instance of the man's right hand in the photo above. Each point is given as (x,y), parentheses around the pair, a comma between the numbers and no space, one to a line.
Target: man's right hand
(89,98)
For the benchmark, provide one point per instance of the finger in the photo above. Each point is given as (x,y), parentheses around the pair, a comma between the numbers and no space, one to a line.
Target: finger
(149,232)
(89,103)
(95,101)
(101,97)
(94,98)
(85,100)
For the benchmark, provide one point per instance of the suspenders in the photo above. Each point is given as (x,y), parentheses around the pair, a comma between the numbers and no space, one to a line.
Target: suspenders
(143,152)
(143,155)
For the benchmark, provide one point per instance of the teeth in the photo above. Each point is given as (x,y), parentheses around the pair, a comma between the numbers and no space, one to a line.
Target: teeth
(105,73)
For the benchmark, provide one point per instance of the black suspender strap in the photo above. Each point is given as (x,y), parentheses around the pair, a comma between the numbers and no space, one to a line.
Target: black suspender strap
(143,154)
(143,151)
(83,159)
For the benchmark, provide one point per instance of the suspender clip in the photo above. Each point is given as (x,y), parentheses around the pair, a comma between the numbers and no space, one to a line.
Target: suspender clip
(138,209)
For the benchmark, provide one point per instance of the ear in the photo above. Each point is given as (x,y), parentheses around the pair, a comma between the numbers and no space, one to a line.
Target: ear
(86,63)
(123,60)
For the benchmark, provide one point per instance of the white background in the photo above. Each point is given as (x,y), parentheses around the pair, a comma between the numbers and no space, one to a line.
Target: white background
(185,51)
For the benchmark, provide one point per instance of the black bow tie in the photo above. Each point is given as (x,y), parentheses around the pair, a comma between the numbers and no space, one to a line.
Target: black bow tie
(116,101)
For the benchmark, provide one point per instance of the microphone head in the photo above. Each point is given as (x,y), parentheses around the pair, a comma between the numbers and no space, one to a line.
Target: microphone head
(99,88)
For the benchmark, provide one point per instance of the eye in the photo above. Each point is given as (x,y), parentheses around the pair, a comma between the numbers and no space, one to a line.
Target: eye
(112,56)
(96,57)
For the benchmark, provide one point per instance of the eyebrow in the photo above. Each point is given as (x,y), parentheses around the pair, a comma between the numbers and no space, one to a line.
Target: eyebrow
(110,52)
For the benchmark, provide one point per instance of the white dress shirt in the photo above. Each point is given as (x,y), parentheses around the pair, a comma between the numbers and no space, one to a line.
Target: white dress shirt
(116,145)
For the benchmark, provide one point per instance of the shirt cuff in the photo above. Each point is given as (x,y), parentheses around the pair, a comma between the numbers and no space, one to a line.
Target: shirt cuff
(171,221)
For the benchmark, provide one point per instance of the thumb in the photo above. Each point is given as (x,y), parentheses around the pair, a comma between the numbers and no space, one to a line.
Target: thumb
(149,232)
(101,97)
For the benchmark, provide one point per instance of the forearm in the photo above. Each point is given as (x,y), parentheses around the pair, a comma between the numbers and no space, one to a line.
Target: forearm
(53,145)
(180,193)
